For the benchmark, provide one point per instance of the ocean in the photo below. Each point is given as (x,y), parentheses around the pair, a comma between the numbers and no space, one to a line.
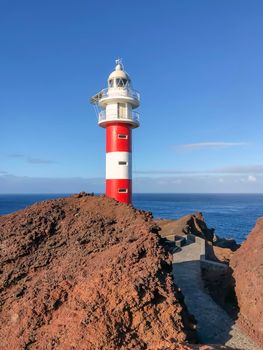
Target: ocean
(232,215)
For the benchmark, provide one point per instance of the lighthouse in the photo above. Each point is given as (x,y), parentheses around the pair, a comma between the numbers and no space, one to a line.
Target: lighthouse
(115,106)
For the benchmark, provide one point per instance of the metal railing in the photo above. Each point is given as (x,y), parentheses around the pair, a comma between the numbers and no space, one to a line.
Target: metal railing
(115,92)
(132,116)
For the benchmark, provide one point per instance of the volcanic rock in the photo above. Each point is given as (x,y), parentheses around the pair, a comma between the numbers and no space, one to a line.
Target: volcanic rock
(218,254)
(195,224)
(227,243)
(87,272)
(192,223)
(247,264)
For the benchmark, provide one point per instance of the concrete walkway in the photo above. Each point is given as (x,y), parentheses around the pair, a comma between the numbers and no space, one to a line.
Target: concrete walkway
(214,325)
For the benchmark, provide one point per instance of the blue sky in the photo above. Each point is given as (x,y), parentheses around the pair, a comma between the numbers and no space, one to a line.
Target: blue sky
(197,65)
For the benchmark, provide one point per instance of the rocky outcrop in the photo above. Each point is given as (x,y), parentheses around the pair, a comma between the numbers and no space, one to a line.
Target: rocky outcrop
(225,243)
(218,254)
(87,272)
(195,224)
(217,280)
(247,264)
(192,223)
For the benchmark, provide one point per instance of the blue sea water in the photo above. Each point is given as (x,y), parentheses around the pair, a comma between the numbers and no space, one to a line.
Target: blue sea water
(232,215)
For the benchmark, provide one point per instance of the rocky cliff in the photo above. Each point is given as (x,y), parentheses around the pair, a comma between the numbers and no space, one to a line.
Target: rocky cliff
(247,265)
(195,224)
(86,273)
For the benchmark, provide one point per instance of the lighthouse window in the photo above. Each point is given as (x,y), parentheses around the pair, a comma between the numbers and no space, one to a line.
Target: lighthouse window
(121,82)
(123,190)
(121,162)
(122,136)
(111,83)
(122,110)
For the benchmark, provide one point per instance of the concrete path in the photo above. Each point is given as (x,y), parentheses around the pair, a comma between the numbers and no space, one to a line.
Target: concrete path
(214,325)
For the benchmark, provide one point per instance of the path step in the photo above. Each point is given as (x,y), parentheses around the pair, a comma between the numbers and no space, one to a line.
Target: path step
(214,325)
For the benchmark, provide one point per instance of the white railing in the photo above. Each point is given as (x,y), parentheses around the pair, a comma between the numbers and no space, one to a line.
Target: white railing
(133,116)
(112,92)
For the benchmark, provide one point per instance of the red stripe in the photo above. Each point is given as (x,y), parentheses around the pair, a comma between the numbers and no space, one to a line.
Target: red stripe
(115,141)
(113,187)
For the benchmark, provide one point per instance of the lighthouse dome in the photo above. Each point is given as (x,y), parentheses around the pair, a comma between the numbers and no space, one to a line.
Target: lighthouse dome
(119,73)
(118,78)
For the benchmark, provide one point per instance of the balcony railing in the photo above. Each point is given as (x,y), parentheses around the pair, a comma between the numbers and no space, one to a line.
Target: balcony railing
(115,92)
(133,116)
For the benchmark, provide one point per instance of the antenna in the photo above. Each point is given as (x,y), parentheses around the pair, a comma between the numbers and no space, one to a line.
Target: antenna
(118,62)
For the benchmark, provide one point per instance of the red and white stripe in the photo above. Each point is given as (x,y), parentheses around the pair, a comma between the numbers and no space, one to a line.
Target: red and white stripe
(119,161)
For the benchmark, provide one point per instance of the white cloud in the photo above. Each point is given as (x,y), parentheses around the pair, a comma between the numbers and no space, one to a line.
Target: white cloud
(239,169)
(232,183)
(26,184)
(198,184)
(251,178)
(167,171)
(235,169)
(177,181)
(208,145)
(40,161)
(31,160)
(16,155)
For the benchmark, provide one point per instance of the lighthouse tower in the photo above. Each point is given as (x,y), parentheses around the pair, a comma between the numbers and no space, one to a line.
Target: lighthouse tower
(116,114)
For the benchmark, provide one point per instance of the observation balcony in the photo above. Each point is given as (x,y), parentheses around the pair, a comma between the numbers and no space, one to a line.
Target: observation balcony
(132,119)
(126,94)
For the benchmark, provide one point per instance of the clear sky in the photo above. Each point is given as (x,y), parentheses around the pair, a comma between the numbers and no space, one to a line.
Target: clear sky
(196,63)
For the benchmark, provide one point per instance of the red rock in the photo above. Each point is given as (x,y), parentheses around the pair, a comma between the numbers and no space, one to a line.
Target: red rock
(87,273)
(218,254)
(192,223)
(196,225)
(247,263)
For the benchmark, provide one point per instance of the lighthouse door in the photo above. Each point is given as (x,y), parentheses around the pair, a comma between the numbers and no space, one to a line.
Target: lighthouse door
(122,110)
